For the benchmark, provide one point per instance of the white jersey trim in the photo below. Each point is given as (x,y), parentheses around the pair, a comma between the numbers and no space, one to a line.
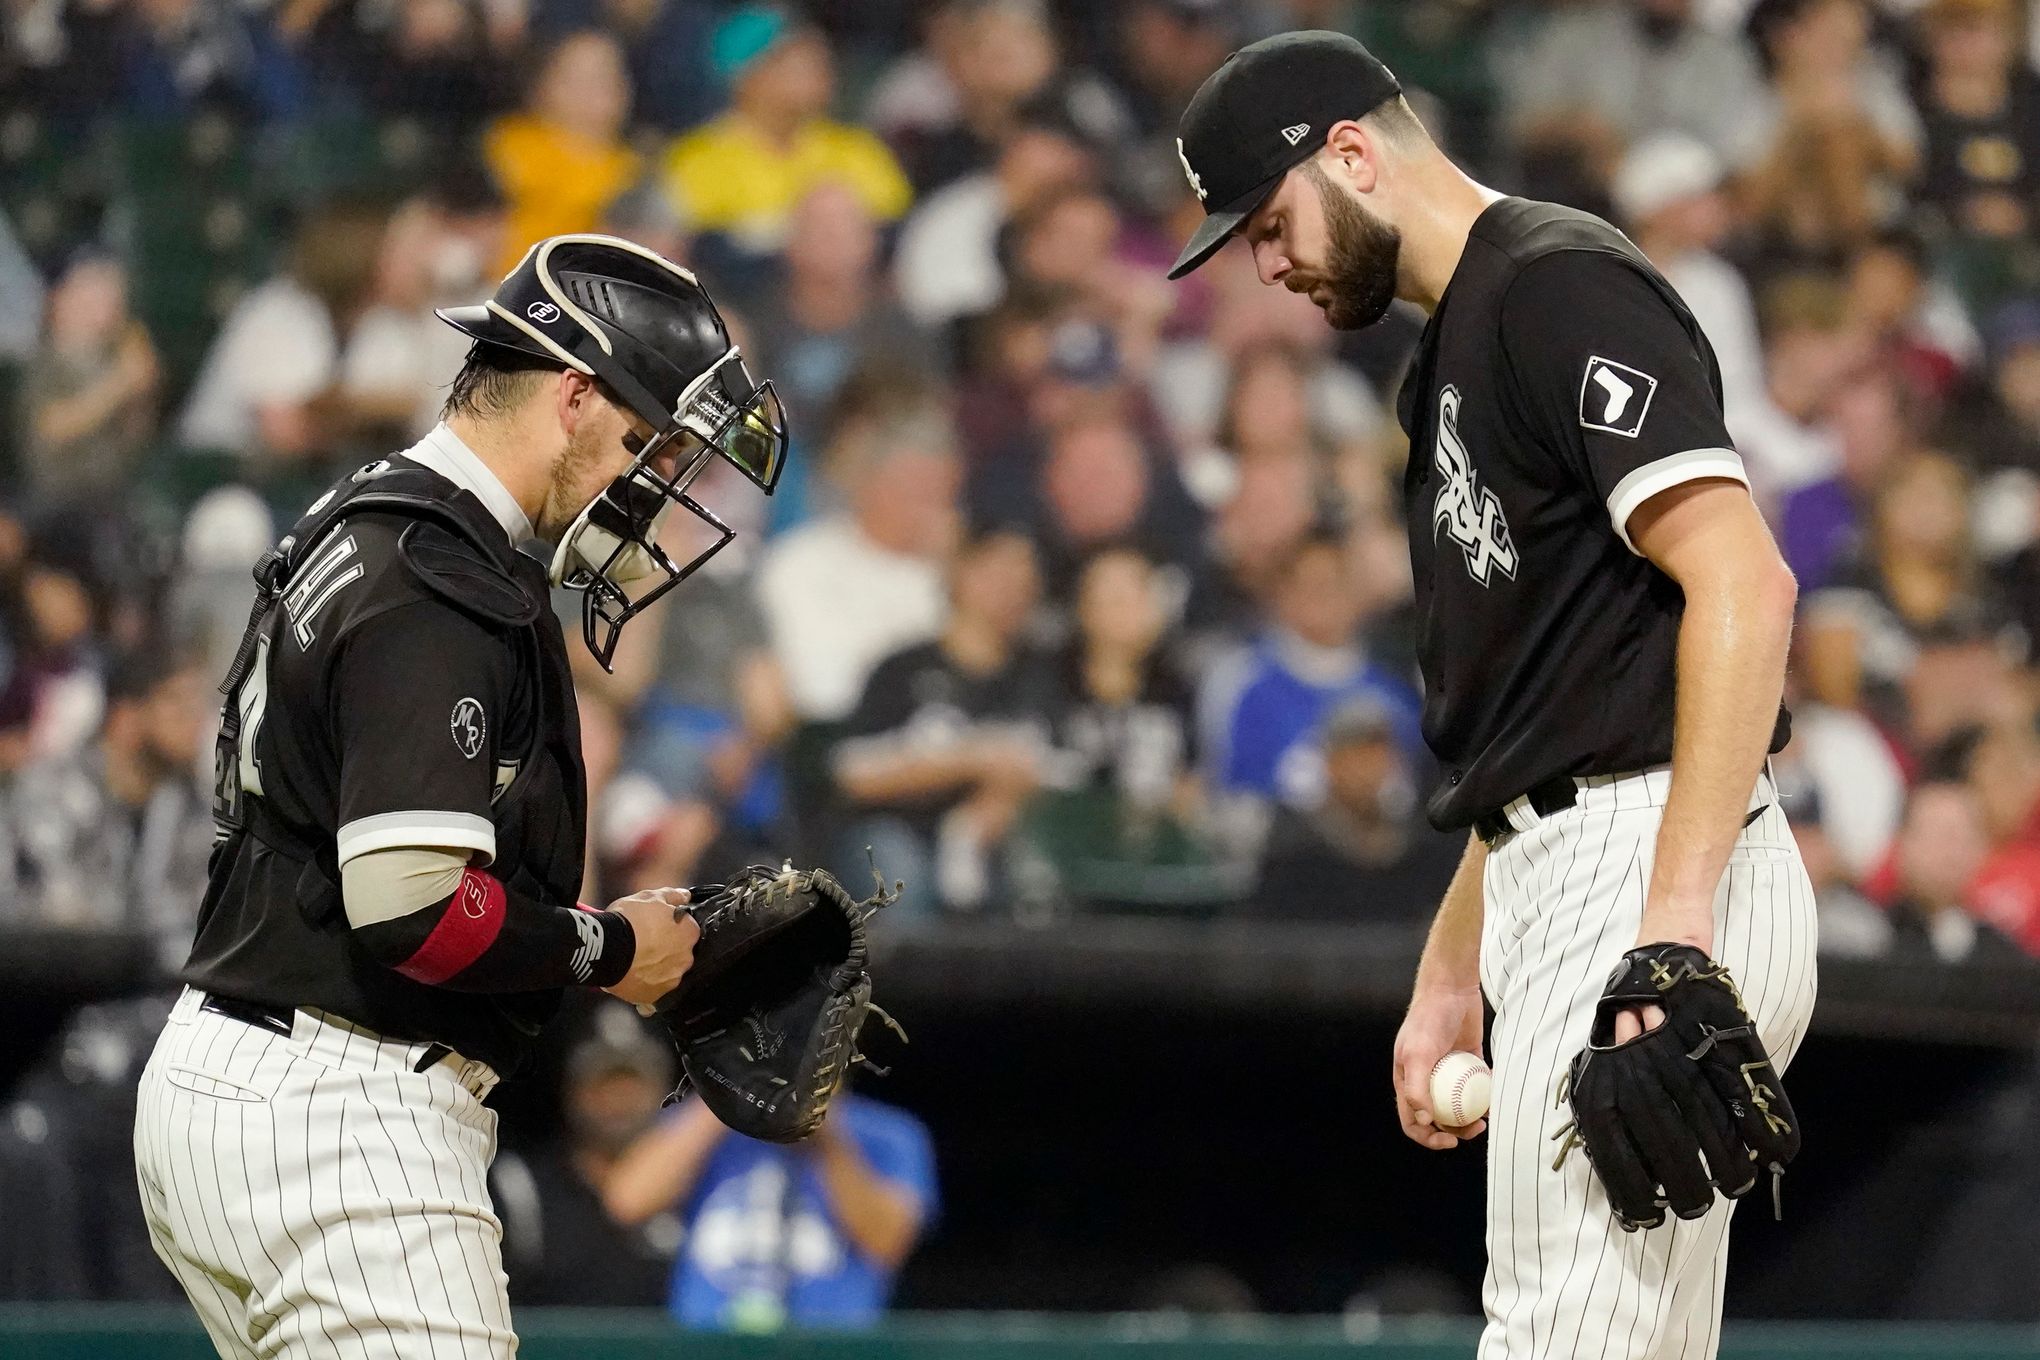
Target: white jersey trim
(393,830)
(1666,473)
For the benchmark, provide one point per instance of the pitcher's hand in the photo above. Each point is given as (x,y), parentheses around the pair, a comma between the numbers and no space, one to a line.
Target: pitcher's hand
(1439,1022)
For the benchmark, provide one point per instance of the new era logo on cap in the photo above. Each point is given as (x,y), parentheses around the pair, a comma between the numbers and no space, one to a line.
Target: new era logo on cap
(1295,132)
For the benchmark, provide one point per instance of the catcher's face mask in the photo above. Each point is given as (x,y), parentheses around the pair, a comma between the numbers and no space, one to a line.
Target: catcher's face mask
(647,331)
(611,552)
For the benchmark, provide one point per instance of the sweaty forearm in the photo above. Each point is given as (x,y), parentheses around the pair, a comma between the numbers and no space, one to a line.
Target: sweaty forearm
(1731,675)
(1451,959)
(474,934)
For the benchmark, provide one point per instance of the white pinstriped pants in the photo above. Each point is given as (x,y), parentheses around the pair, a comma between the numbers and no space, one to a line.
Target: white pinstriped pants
(315,1196)
(1563,901)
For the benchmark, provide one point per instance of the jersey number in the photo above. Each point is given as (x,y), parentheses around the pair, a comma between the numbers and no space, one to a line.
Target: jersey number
(253,699)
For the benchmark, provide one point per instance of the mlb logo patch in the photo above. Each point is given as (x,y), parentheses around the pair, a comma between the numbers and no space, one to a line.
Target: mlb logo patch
(1614,398)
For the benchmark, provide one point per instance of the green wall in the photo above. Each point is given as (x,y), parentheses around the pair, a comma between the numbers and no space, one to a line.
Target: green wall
(121,1332)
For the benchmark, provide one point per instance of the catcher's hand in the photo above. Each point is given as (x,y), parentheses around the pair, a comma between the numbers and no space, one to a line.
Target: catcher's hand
(1681,1110)
(767,1017)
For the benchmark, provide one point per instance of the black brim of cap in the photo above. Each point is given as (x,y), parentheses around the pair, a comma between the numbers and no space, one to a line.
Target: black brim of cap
(1217,226)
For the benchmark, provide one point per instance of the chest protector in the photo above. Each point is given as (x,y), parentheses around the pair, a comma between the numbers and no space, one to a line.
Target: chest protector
(456,553)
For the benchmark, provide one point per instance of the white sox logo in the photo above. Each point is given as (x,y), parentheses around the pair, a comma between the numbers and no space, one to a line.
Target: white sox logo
(1195,183)
(1465,509)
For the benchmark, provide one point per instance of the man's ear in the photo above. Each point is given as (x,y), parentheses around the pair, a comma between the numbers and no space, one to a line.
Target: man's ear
(1353,154)
(572,398)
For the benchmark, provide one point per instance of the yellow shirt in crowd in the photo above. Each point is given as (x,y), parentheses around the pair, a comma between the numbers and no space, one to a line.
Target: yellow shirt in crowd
(555,179)
(726,176)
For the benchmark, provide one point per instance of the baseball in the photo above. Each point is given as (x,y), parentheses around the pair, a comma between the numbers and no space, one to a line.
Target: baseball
(1459,1089)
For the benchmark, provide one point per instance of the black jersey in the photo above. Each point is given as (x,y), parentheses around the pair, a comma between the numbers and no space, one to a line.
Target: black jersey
(383,710)
(1559,385)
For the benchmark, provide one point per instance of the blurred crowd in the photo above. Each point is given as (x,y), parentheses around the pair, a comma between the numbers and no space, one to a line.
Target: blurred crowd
(1084,593)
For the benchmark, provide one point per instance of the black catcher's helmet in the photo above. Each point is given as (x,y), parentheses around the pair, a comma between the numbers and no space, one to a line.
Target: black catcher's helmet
(647,331)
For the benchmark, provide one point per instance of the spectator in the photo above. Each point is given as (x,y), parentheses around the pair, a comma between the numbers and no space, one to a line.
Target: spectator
(946,745)
(1914,578)
(1981,106)
(1873,424)
(559,1241)
(809,1235)
(1669,192)
(917,94)
(1809,351)
(91,390)
(21,298)
(743,174)
(1123,820)
(1998,425)
(427,61)
(2004,774)
(1851,926)
(1098,486)
(1603,74)
(180,56)
(666,43)
(226,531)
(1847,137)
(1168,47)
(53,698)
(1196,376)
(261,392)
(1940,849)
(116,833)
(562,162)
(842,592)
(399,358)
(995,59)
(948,265)
(1261,712)
(1365,853)
(830,309)
(1919,323)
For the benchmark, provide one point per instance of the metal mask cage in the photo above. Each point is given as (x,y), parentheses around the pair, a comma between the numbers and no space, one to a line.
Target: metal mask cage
(630,508)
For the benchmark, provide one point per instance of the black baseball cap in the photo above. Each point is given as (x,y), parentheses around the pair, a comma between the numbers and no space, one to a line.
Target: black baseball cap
(1263,113)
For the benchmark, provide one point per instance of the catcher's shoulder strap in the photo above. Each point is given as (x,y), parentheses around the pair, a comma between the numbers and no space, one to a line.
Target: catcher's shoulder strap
(456,554)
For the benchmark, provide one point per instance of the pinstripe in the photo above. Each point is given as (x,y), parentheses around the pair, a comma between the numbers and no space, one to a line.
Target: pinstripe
(439,1189)
(1564,986)
(231,1067)
(417,1298)
(184,1192)
(454,1226)
(1531,1070)
(347,1233)
(298,1283)
(320,1233)
(182,1257)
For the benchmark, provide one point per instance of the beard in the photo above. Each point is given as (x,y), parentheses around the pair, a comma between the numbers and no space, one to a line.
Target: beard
(567,492)
(1360,263)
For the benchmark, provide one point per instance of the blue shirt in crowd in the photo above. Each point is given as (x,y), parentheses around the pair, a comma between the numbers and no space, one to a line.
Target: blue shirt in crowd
(763,1246)
(1262,712)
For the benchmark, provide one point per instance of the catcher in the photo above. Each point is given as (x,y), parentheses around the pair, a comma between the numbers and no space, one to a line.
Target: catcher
(400,807)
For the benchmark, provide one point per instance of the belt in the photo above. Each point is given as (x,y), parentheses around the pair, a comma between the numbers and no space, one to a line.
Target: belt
(280,1020)
(1553,795)
(275,1019)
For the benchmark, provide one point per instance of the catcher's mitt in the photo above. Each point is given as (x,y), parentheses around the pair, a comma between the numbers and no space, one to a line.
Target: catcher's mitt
(1685,1109)
(767,1017)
